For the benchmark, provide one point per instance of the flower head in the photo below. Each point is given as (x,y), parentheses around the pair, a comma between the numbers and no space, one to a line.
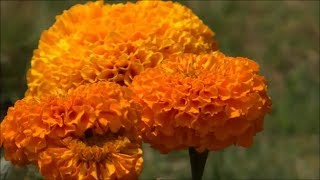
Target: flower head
(113,157)
(91,131)
(206,101)
(96,42)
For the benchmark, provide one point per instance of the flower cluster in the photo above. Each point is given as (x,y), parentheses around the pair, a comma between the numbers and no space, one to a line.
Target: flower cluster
(106,77)
(89,133)
(96,42)
(206,101)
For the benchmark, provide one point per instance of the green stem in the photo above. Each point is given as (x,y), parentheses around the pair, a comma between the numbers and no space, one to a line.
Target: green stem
(198,162)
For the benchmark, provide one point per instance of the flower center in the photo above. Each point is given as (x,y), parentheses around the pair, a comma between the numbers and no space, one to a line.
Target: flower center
(96,148)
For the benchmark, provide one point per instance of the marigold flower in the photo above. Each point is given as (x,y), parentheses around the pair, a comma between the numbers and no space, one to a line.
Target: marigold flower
(102,158)
(22,131)
(95,42)
(206,101)
(91,131)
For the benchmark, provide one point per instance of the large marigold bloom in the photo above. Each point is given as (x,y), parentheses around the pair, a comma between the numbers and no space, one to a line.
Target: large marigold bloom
(95,42)
(206,101)
(91,132)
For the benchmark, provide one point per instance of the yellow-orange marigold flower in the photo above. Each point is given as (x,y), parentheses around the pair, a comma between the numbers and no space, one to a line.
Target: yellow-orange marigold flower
(95,42)
(206,101)
(91,127)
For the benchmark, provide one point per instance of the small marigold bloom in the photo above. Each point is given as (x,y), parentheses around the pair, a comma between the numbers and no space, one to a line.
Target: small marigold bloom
(206,101)
(91,127)
(96,42)
(92,158)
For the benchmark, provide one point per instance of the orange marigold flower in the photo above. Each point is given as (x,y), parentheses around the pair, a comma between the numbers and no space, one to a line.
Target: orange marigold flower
(206,101)
(92,158)
(91,127)
(96,42)
(22,132)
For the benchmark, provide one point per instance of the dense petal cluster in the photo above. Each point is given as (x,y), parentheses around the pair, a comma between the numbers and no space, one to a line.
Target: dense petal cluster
(22,128)
(96,42)
(82,132)
(107,158)
(206,101)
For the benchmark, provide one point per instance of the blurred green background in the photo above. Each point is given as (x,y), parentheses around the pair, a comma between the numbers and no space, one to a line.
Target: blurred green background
(282,36)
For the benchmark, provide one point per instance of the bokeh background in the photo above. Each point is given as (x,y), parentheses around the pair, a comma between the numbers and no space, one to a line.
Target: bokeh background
(282,36)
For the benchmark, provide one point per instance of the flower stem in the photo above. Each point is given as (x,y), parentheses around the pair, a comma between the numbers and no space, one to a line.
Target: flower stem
(198,162)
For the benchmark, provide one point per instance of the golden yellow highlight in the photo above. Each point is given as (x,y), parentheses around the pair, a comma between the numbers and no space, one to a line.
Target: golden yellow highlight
(96,42)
